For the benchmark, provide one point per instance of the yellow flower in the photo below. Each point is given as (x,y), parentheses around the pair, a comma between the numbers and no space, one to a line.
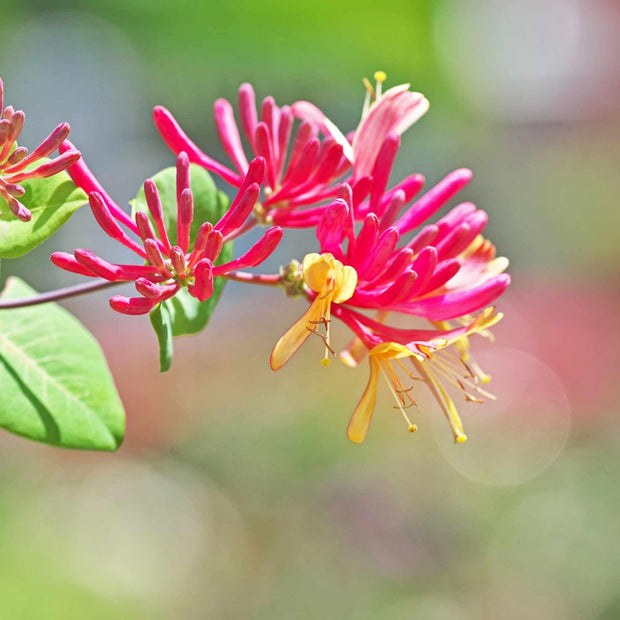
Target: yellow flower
(333,282)
(432,364)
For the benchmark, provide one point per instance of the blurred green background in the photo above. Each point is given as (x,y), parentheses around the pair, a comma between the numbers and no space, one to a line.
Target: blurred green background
(236,494)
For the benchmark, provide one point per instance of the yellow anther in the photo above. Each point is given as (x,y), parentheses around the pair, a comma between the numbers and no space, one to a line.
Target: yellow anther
(413,428)
(461,439)
(325,361)
(380,76)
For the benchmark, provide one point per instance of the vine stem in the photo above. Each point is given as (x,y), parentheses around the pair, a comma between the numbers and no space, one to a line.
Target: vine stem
(253,278)
(100,284)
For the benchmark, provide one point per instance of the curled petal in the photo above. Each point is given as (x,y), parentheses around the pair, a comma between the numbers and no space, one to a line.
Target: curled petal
(362,416)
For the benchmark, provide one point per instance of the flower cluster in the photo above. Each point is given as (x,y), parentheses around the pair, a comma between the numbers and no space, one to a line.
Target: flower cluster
(378,250)
(167,267)
(16,164)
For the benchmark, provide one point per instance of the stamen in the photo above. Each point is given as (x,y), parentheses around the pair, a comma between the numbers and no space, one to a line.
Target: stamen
(380,77)
(412,428)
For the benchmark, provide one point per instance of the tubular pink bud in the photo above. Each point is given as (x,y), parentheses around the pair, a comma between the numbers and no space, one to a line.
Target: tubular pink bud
(328,166)
(49,168)
(183,180)
(399,291)
(247,111)
(455,304)
(229,134)
(47,147)
(392,209)
(264,148)
(16,156)
(215,241)
(237,215)
(361,189)
(105,219)
(305,133)
(330,231)
(380,253)
(155,291)
(184,218)
(200,244)
(260,251)
(400,261)
(17,191)
(202,288)
(17,208)
(153,202)
(132,305)
(284,136)
(177,257)
(302,168)
(444,271)
(155,257)
(365,240)
(97,265)
(433,200)
(145,230)
(454,242)
(423,238)
(424,265)
(382,169)
(67,261)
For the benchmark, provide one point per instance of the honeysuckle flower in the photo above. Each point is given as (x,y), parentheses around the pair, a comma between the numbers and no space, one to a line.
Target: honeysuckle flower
(330,282)
(166,267)
(446,271)
(391,112)
(431,362)
(15,159)
(302,177)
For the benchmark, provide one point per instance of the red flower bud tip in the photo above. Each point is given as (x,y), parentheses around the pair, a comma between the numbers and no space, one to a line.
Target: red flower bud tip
(153,202)
(132,305)
(185,216)
(177,257)
(229,134)
(202,288)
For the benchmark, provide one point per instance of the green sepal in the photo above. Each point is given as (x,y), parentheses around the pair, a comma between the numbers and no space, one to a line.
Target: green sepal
(56,385)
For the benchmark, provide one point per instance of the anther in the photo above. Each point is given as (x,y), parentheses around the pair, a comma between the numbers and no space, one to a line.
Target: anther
(325,361)
(462,438)
(380,76)
(412,428)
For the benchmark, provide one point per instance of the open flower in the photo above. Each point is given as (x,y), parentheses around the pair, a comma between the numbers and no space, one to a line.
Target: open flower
(330,282)
(384,113)
(431,363)
(300,169)
(15,159)
(166,268)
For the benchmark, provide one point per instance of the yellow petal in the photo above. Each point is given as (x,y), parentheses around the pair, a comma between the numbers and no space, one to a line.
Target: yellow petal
(316,269)
(360,420)
(346,284)
(293,339)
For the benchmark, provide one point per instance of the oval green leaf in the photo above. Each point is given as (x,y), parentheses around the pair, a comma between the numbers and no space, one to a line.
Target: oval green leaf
(56,385)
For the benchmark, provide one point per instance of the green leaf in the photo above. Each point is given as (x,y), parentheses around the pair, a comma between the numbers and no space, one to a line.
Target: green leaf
(51,201)
(184,314)
(56,385)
